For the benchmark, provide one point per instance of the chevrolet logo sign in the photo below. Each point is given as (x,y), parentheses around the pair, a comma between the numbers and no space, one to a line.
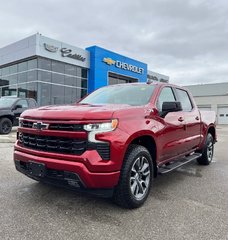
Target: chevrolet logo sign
(40,126)
(109,61)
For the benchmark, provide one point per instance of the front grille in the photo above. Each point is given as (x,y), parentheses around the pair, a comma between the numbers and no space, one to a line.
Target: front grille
(53,144)
(26,124)
(66,127)
(56,126)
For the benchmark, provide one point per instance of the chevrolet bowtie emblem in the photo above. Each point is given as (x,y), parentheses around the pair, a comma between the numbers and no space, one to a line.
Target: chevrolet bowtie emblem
(40,126)
(109,61)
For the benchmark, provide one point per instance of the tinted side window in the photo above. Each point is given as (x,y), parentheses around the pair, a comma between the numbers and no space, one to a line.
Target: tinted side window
(32,103)
(184,99)
(23,103)
(166,95)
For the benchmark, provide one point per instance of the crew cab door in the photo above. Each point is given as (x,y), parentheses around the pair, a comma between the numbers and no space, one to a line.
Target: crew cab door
(172,127)
(191,117)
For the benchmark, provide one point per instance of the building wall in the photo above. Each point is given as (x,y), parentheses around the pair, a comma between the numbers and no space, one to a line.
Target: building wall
(50,71)
(212,97)
(214,102)
(154,76)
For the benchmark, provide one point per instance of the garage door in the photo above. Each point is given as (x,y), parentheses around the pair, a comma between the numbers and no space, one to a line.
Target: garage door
(223,115)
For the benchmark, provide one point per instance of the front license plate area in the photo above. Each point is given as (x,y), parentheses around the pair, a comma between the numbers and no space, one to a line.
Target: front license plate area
(36,169)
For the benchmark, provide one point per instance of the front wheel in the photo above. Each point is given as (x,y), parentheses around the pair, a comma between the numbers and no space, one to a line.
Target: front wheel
(5,126)
(135,179)
(207,151)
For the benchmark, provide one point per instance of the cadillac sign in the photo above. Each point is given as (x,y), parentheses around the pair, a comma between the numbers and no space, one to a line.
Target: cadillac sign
(50,48)
(65,52)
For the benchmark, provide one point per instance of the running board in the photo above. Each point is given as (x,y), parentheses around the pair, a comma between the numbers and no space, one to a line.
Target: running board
(168,168)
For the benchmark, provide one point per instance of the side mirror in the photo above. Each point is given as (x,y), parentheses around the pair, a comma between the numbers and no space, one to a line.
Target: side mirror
(17,106)
(170,107)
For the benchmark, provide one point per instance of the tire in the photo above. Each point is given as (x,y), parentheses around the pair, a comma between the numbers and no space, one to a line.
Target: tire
(207,151)
(5,126)
(135,178)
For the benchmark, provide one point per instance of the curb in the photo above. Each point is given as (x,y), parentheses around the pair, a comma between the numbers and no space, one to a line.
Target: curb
(8,139)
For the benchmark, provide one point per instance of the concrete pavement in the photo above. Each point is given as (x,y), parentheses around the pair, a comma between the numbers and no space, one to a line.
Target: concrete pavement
(190,203)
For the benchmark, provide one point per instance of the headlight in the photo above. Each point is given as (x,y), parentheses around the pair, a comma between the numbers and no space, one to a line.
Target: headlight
(21,122)
(101,127)
(95,128)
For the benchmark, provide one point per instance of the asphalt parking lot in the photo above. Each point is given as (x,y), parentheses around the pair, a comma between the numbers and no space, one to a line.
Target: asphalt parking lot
(190,203)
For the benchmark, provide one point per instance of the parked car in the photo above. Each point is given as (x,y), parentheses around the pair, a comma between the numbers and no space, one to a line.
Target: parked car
(10,111)
(115,140)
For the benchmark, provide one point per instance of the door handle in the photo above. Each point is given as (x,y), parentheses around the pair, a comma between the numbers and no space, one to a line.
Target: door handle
(197,118)
(180,119)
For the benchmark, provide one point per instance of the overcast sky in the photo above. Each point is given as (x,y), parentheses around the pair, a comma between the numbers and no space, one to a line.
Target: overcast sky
(184,39)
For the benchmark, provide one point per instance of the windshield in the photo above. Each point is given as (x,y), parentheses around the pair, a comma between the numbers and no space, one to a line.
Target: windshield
(6,102)
(134,95)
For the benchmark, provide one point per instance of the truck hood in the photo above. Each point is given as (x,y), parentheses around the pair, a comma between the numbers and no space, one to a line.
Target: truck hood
(73,112)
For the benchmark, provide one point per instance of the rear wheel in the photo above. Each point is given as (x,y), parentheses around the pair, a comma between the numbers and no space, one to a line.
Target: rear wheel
(207,151)
(135,179)
(5,126)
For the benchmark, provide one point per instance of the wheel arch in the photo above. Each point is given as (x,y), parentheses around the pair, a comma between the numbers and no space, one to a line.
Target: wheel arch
(10,117)
(148,141)
(211,130)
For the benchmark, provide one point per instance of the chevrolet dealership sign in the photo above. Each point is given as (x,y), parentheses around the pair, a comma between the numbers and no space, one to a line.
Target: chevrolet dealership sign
(123,65)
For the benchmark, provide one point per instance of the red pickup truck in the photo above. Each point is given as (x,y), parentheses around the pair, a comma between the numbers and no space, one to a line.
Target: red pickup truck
(115,140)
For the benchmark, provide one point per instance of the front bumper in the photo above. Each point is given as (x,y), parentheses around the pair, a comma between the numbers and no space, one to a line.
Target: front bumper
(78,170)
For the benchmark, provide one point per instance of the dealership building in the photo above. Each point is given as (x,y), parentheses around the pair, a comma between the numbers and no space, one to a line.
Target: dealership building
(53,72)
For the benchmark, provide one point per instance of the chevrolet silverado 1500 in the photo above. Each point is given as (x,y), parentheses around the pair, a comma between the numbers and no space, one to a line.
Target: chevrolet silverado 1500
(115,140)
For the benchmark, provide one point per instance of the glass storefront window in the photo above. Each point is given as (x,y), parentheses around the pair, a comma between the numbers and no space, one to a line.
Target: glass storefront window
(57,78)
(45,94)
(52,83)
(118,79)
(13,69)
(22,90)
(57,94)
(32,75)
(32,90)
(70,95)
(57,66)
(44,76)
(84,93)
(113,81)
(79,93)
(22,66)
(44,64)
(84,83)
(22,77)
(70,69)
(84,73)
(4,82)
(32,64)
(13,79)
(79,72)
(5,71)
(70,81)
